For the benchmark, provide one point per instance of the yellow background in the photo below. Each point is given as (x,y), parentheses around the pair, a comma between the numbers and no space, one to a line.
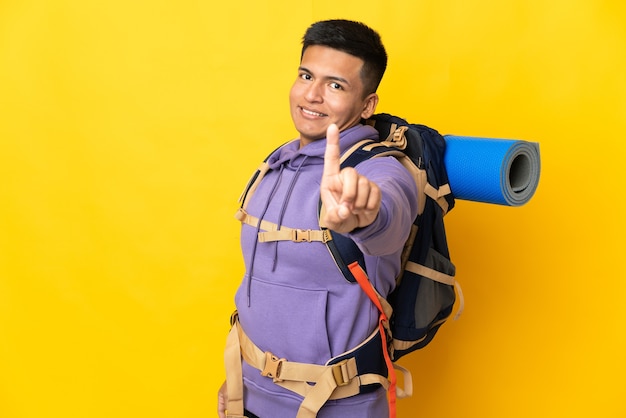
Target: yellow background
(127,131)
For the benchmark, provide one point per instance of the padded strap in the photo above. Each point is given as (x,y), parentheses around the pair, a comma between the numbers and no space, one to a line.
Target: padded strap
(234,375)
(253,183)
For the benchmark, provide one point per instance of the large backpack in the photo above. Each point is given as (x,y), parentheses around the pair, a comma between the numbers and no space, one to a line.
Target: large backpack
(425,291)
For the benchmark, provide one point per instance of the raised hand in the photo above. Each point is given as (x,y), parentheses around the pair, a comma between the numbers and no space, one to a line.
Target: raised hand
(350,200)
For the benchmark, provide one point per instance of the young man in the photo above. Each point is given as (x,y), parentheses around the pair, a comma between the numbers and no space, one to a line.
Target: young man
(294,305)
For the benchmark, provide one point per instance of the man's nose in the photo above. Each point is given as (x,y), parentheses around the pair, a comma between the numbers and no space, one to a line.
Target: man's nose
(314,92)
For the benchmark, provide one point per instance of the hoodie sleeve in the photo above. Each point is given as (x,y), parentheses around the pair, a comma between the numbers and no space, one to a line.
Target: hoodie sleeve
(398,208)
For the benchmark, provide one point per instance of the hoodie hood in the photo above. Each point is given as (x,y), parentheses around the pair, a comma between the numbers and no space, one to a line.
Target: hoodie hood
(292,155)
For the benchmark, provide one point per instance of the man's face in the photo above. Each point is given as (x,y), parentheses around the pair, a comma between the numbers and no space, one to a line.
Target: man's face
(328,90)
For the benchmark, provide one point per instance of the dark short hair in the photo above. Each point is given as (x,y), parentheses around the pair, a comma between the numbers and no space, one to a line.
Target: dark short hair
(354,38)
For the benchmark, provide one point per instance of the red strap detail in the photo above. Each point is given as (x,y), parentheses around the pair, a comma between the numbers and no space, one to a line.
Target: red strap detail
(361,277)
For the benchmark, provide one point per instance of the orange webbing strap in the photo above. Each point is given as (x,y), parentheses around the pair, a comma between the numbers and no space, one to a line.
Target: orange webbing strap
(383,324)
(234,375)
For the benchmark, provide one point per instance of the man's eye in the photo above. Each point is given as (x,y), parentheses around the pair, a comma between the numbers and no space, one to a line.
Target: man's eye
(305,76)
(335,86)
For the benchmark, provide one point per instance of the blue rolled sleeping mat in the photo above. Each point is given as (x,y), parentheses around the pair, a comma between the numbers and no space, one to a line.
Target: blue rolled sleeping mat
(491,170)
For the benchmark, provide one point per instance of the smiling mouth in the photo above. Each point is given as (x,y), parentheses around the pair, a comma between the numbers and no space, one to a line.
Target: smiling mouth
(312,113)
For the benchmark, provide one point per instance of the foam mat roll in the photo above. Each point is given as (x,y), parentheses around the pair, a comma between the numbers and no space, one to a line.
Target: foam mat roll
(491,170)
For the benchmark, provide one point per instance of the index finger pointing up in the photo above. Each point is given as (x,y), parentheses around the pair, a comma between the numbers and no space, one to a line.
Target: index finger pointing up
(332,161)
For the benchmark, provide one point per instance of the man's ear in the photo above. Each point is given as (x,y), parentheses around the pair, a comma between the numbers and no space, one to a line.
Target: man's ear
(371,101)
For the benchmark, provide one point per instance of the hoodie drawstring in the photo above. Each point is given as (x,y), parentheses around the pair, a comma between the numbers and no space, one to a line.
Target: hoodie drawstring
(284,207)
(258,229)
(279,221)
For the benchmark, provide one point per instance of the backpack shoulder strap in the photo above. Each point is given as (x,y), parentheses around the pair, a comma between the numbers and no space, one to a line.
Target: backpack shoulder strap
(344,250)
(254,181)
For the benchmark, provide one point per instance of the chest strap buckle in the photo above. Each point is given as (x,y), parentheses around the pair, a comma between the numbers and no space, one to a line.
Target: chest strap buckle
(272,367)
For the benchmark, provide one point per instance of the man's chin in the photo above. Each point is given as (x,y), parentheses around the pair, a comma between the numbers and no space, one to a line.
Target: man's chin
(310,135)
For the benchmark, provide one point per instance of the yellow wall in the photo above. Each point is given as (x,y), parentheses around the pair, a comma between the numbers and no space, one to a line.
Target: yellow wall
(127,130)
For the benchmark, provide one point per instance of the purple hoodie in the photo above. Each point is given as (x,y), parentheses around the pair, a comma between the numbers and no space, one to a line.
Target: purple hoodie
(293,300)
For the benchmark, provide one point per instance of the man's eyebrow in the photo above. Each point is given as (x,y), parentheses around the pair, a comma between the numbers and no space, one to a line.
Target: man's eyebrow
(330,77)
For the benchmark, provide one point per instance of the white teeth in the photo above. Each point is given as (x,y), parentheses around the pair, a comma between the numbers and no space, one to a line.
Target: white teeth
(310,112)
